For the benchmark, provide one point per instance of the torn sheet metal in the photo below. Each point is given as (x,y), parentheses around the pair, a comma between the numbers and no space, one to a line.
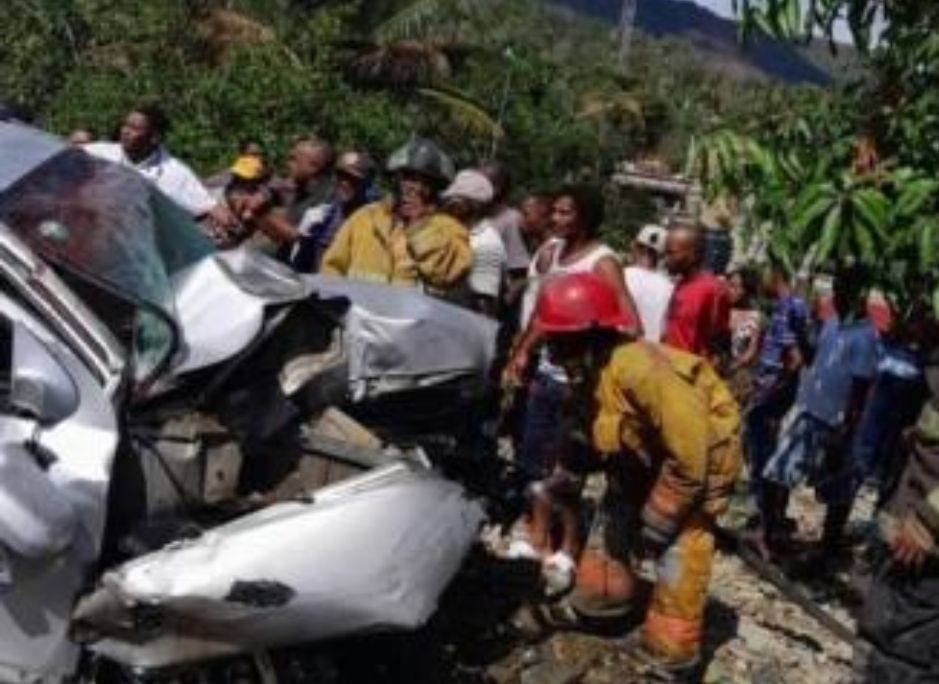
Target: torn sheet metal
(371,553)
(395,338)
(398,338)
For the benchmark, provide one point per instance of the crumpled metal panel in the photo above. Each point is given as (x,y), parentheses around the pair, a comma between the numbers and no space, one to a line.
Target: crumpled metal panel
(217,319)
(398,338)
(371,553)
(35,613)
(220,303)
(24,148)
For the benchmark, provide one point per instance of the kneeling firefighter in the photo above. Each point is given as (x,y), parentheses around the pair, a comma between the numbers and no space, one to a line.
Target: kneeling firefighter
(667,429)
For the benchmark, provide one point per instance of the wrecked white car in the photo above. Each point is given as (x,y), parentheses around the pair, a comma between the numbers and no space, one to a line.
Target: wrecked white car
(203,453)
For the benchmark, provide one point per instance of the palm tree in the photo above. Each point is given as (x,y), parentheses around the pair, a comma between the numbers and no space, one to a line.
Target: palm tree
(412,51)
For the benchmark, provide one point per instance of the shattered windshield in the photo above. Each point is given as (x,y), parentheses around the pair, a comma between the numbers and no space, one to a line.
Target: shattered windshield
(107,225)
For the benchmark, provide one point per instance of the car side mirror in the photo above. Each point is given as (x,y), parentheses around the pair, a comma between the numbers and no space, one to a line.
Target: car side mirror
(41,387)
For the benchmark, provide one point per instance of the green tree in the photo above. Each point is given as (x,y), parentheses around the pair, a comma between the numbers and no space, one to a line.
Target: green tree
(854,180)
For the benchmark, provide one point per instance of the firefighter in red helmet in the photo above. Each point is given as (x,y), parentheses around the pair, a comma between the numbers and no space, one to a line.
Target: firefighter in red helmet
(668,431)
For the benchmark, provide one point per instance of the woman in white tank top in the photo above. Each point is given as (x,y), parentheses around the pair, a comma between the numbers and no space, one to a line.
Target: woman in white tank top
(546,447)
(575,219)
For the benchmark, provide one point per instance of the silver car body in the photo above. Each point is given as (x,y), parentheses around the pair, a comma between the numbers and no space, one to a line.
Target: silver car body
(373,552)
(35,611)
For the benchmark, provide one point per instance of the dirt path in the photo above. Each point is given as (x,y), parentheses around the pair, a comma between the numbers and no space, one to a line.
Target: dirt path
(753,633)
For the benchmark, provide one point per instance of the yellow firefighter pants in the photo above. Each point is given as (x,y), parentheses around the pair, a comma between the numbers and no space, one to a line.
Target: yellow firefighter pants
(674,620)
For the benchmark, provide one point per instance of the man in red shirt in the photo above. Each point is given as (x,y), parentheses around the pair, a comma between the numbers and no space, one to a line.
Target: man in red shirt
(698,319)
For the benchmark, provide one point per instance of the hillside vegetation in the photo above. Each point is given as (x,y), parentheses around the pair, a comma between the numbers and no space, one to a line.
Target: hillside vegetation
(509,78)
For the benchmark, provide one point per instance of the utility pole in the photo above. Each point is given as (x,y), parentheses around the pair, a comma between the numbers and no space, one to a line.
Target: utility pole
(627,20)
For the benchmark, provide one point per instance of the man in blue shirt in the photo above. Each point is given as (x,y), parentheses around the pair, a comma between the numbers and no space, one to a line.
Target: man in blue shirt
(831,397)
(782,357)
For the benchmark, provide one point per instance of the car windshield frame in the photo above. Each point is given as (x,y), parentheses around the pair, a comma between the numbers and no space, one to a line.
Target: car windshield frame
(115,231)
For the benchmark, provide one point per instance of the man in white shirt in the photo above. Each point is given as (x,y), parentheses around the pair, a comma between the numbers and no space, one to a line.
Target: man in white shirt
(651,289)
(467,199)
(141,148)
(506,220)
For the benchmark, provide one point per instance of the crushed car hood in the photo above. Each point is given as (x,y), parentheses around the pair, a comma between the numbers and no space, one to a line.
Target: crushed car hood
(372,553)
(395,338)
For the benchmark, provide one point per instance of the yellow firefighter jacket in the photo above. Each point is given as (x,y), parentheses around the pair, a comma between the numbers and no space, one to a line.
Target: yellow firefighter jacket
(671,409)
(373,245)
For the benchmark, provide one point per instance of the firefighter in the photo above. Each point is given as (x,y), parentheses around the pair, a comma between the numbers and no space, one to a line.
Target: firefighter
(406,240)
(667,430)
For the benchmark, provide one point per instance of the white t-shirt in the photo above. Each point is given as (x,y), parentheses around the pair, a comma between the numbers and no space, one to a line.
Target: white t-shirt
(652,291)
(507,222)
(489,260)
(173,177)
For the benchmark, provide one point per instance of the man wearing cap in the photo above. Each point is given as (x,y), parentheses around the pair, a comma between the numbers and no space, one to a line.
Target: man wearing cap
(467,200)
(318,225)
(651,289)
(405,240)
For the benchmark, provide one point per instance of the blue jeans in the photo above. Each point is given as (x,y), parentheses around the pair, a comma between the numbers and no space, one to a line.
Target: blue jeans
(543,431)
(761,430)
(892,406)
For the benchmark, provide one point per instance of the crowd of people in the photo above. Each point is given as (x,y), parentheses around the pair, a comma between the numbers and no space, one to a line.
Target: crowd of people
(662,375)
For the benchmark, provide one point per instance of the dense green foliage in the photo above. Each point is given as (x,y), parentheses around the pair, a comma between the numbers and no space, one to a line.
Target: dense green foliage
(490,77)
(854,180)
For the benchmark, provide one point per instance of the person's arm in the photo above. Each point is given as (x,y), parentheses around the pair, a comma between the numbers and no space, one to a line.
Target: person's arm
(515,288)
(719,329)
(274,223)
(864,360)
(611,271)
(666,416)
(522,354)
(752,351)
(441,252)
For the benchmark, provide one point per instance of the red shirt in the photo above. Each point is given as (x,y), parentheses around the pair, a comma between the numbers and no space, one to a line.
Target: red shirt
(698,319)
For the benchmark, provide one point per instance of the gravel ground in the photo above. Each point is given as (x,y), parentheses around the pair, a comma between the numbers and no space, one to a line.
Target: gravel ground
(753,632)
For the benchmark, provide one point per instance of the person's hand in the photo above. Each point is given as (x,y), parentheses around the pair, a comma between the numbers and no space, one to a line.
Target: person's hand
(515,369)
(912,544)
(221,217)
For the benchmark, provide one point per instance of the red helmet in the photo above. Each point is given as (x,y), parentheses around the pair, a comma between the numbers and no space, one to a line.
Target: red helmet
(578,301)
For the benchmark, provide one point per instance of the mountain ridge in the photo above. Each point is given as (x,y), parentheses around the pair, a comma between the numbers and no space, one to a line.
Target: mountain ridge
(713,36)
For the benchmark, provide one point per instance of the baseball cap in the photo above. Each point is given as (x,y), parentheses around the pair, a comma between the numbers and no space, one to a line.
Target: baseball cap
(356,164)
(471,185)
(248,167)
(653,237)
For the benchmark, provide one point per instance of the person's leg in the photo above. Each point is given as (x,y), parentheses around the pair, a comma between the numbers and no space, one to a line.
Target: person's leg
(761,431)
(758,440)
(541,440)
(674,622)
(541,434)
(606,585)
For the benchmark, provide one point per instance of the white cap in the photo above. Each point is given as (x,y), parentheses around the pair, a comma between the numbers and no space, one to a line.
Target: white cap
(653,237)
(471,185)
